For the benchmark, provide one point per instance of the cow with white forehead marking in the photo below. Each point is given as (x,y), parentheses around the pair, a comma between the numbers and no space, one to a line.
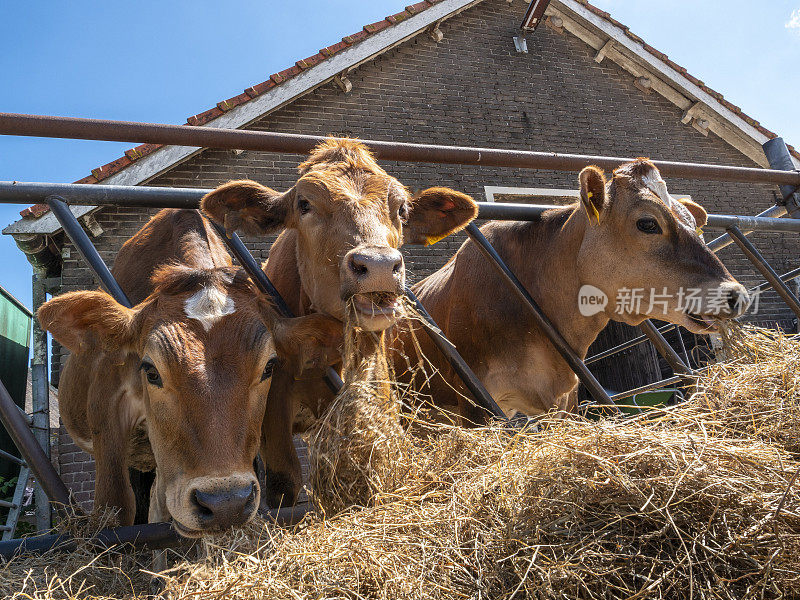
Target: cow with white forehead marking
(179,382)
(627,251)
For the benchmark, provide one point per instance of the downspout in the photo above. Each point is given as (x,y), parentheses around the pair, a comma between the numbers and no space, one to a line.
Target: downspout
(44,257)
(41,252)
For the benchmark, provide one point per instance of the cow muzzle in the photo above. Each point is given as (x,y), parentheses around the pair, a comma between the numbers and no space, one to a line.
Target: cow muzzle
(373,278)
(214,504)
(728,301)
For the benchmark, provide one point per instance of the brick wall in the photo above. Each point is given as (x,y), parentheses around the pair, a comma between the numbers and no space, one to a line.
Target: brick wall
(76,468)
(473,89)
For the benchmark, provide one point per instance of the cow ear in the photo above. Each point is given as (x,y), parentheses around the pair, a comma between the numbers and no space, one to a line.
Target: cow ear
(436,213)
(310,342)
(248,206)
(593,193)
(73,317)
(698,212)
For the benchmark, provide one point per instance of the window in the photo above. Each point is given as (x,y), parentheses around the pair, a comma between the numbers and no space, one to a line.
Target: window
(522,195)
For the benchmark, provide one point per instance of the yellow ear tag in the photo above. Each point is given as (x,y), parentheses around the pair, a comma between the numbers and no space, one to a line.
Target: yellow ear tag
(430,241)
(594,209)
(699,231)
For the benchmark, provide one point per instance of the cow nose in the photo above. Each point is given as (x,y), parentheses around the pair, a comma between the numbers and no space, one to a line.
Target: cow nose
(737,301)
(221,508)
(376,269)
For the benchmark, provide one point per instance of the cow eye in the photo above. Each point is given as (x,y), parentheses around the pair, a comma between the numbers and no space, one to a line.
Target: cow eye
(151,374)
(402,212)
(269,368)
(303,205)
(648,225)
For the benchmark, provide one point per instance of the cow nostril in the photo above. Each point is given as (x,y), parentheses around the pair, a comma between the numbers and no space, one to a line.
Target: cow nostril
(358,266)
(203,505)
(735,300)
(397,266)
(252,497)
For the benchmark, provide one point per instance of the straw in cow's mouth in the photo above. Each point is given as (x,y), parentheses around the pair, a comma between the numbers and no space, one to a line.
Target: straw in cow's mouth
(709,323)
(378,304)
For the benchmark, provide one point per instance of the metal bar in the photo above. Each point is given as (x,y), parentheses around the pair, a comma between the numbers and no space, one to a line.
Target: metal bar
(263,283)
(753,223)
(663,347)
(530,212)
(683,348)
(786,277)
(40,398)
(462,369)
(153,536)
(19,494)
(5,504)
(265,141)
(28,418)
(15,459)
(31,450)
(86,249)
(251,266)
(624,346)
(12,192)
(725,240)
(648,387)
(75,194)
(547,327)
(779,158)
(765,269)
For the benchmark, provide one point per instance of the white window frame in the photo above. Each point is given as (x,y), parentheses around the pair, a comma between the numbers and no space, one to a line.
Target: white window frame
(490,191)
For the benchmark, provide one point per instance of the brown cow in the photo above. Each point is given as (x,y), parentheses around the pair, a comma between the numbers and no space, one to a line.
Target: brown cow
(626,235)
(346,218)
(189,367)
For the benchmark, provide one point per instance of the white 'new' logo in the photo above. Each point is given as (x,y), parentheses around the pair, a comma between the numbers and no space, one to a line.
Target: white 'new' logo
(591,300)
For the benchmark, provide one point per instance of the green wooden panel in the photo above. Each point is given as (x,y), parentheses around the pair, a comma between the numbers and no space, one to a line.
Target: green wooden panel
(15,341)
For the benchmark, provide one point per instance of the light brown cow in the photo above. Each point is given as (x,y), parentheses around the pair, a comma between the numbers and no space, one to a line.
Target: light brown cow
(345,220)
(189,367)
(629,234)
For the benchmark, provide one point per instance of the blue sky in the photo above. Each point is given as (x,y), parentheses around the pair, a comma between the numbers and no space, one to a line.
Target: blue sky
(163,61)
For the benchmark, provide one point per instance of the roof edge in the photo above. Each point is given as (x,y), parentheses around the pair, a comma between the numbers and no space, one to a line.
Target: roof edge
(47,224)
(675,75)
(300,84)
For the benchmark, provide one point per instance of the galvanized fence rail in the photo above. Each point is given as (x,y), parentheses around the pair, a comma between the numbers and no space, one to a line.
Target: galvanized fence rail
(292,143)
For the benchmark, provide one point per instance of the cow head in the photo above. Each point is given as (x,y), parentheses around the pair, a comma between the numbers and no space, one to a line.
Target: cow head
(643,248)
(351,218)
(204,346)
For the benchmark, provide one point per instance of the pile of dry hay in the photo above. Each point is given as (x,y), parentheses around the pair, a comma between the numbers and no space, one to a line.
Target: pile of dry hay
(690,502)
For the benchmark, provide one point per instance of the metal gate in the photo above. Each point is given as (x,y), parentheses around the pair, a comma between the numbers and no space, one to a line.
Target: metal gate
(60,196)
